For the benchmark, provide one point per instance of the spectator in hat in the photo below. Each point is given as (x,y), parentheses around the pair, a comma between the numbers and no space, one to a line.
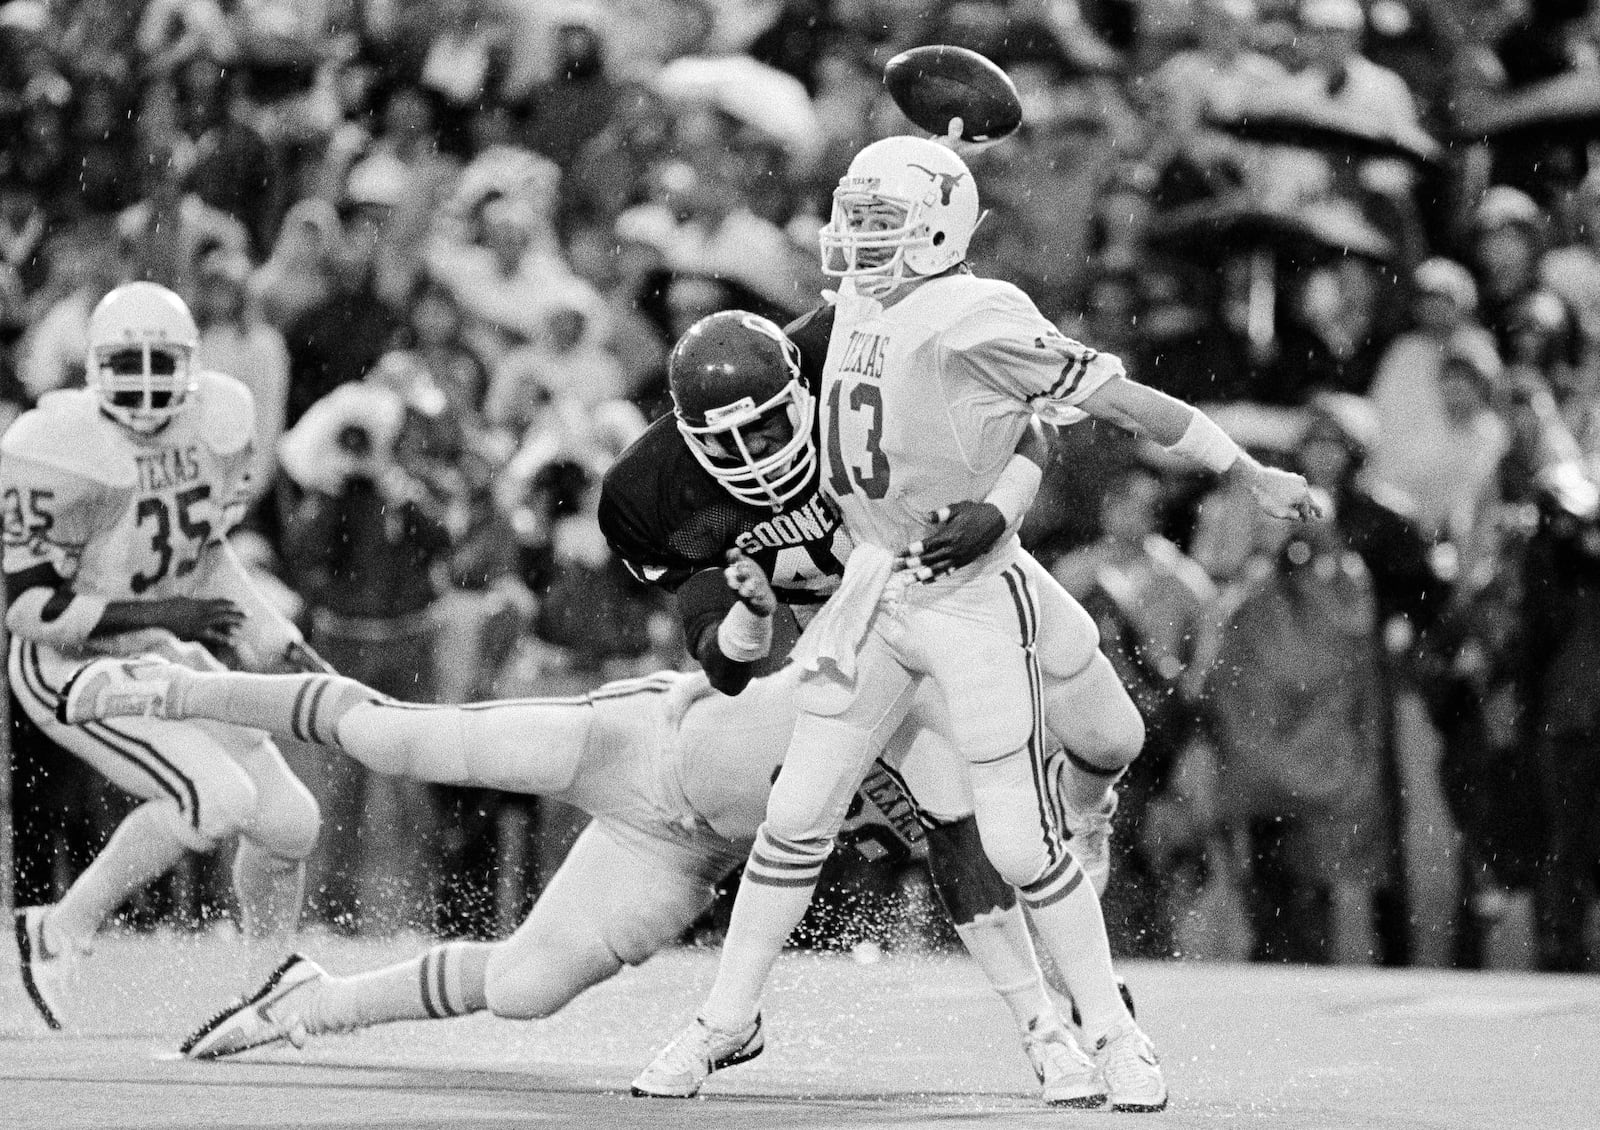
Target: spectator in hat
(299,274)
(1444,453)
(1508,234)
(1375,521)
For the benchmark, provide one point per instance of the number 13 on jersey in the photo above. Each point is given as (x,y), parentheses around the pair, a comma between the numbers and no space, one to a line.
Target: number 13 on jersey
(854,430)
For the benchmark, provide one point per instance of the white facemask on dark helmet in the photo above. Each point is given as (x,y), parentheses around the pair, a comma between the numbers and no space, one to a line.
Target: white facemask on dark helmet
(730,373)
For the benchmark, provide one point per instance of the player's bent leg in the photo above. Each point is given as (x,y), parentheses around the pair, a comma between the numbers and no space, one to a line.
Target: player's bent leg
(990,922)
(840,729)
(1089,712)
(269,866)
(621,895)
(1065,912)
(836,737)
(1095,717)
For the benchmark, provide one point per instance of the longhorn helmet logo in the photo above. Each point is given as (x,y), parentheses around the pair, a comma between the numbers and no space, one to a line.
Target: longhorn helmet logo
(946,181)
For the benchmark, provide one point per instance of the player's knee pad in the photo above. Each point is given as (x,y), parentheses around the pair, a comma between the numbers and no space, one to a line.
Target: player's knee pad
(531,982)
(967,883)
(1094,717)
(228,804)
(1015,822)
(801,822)
(289,825)
(812,794)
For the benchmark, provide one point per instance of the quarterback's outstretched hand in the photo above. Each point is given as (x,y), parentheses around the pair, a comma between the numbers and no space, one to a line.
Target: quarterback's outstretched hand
(966,531)
(1282,494)
(750,584)
(204,620)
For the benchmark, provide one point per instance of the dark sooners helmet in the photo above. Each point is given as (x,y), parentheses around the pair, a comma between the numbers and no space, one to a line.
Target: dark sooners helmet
(730,374)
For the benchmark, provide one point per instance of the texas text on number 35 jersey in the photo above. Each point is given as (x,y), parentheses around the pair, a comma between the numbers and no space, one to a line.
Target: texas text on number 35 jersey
(667,518)
(121,516)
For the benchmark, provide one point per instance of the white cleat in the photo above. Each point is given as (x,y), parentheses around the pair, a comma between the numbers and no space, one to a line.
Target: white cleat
(117,688)
(683,1065)
(1131,1069)
(270,1015)
(1070,1077)
(1091,840)
(38,968)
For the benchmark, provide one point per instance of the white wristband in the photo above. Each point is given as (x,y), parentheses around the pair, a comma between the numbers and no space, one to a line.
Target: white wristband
(1203,442)
(743,636)
(70,628)
(1015,489)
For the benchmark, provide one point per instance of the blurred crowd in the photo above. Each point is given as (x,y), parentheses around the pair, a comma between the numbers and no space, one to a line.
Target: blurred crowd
(447,243)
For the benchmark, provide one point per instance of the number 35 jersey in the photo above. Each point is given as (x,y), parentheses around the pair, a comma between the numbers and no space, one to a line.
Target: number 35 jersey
(124,516)
(923,403)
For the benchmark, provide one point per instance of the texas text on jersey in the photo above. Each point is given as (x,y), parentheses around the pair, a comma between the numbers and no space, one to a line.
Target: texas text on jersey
(666,516)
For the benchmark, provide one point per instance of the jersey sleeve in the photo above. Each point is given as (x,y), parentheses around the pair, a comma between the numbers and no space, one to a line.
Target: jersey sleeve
(1008,346)
(628,532)
(642,501)
(227,423)
(49,515)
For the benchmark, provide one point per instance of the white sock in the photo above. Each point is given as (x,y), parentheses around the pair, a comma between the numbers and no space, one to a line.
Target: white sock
(144,846)
(1000,944)
(773,895)
(269,889)
(1066,916)
(448,980)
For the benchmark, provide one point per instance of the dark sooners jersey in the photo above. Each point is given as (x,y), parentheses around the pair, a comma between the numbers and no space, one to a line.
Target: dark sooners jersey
(667,518)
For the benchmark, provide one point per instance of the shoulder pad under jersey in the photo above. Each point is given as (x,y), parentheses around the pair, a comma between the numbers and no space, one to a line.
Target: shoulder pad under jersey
(225,413)
(68,433)
(959,294)
(810,332)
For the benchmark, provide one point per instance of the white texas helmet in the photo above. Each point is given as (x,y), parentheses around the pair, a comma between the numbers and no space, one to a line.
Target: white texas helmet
(906,205)
(142,342)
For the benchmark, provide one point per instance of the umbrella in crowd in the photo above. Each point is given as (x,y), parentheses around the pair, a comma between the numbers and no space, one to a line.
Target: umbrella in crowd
(1565,109)
(1321,125)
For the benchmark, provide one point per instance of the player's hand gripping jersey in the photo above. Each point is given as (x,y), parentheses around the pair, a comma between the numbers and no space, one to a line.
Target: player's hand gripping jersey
(119,515)
(923,403)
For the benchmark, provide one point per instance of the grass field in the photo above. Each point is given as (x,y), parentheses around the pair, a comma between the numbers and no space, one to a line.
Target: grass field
(906,1041)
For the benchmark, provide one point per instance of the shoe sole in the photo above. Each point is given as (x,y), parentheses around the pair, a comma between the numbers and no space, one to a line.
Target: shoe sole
(743,1055)
(1083,1102)
(25,962)
(1140,1108)
(186,1049)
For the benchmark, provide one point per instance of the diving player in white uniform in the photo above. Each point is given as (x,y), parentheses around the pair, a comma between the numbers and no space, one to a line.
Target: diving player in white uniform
(675,776)
(117,501)
(932,374)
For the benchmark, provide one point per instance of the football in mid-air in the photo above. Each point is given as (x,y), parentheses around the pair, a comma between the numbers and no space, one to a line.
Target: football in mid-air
(933,85)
